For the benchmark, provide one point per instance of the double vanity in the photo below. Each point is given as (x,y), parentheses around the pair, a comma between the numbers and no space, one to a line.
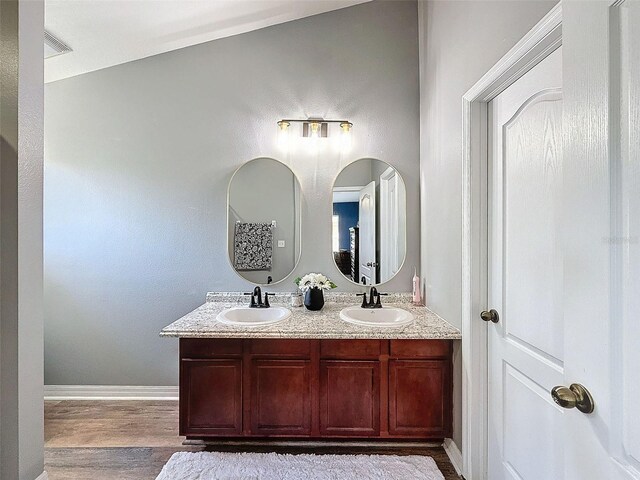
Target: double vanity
(342,372)
(253,366)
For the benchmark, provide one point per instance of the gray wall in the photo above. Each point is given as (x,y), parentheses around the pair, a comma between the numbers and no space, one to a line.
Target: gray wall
(21,165)
(459,42)
(358,174)
(138,158)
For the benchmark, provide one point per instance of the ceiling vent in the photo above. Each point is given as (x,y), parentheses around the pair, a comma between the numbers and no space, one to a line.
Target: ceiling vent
(54,46)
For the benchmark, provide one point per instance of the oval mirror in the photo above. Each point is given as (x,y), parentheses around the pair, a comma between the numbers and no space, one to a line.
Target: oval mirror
(369,222)
(264,221)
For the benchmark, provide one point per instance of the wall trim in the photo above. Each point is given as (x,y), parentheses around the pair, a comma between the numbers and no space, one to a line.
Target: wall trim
(454,454)
(535,46)
(109,392)
(43,476)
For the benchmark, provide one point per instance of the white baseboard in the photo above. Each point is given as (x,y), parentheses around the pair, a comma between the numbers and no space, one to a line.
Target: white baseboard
(43,476)
(454,454)
(109,392)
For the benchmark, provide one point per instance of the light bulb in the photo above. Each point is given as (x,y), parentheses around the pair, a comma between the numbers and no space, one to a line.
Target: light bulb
(313,142)
(315,129)
(283,134)
(345,136)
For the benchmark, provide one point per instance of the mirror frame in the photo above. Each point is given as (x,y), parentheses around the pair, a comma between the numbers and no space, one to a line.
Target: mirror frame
(298,218)
(404,258)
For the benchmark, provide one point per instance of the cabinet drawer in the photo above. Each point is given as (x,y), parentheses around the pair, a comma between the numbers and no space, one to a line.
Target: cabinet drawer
(298,348)
(210,347)
(350,349)
(420,348)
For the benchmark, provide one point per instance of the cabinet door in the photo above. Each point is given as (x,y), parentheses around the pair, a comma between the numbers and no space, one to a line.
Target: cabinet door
(349,398)
(211,397)
(281,397)
(420,398)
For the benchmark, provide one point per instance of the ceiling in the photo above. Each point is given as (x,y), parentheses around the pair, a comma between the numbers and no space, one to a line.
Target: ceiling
(103,33)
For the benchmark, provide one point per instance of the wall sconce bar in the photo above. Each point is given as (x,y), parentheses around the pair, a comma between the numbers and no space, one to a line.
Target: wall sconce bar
(315,127)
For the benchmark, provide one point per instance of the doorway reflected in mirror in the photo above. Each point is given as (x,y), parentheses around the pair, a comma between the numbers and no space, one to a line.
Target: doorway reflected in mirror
(369,222)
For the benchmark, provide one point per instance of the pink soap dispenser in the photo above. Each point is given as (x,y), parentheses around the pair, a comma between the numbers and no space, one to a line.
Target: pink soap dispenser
(416,288)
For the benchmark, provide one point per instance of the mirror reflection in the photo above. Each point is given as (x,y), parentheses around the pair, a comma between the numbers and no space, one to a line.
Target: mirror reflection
(369,222)
(264,221)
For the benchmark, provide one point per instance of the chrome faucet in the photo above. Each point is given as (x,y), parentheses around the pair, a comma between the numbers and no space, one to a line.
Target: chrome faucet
(256,298)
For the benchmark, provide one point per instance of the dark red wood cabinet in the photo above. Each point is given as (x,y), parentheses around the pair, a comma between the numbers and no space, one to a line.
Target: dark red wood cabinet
(418,406)
(211,394)
(281,397)
(349,398)
(394,389)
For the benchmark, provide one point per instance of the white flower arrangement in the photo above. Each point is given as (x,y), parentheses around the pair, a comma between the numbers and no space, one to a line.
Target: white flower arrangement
(314,280)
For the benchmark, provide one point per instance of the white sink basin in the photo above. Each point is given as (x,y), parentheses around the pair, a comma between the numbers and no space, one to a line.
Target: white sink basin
(377,317)
(253,317)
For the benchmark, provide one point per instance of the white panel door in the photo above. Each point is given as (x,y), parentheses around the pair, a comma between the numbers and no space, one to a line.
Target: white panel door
(602,232)
(526,348)
(391,223)
(367,234)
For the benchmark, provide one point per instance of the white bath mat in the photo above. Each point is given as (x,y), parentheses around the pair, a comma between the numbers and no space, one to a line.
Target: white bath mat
(273,466)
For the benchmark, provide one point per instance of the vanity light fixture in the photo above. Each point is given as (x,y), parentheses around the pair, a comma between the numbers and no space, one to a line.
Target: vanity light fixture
(314,129)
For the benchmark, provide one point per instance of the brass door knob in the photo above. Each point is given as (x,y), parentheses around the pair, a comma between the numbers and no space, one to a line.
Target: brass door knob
(576,396)
(490,316)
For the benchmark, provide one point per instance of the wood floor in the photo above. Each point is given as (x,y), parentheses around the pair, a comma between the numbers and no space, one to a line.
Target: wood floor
(127,440)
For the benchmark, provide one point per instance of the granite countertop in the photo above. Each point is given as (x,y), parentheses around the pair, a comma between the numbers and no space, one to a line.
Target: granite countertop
(326,323)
